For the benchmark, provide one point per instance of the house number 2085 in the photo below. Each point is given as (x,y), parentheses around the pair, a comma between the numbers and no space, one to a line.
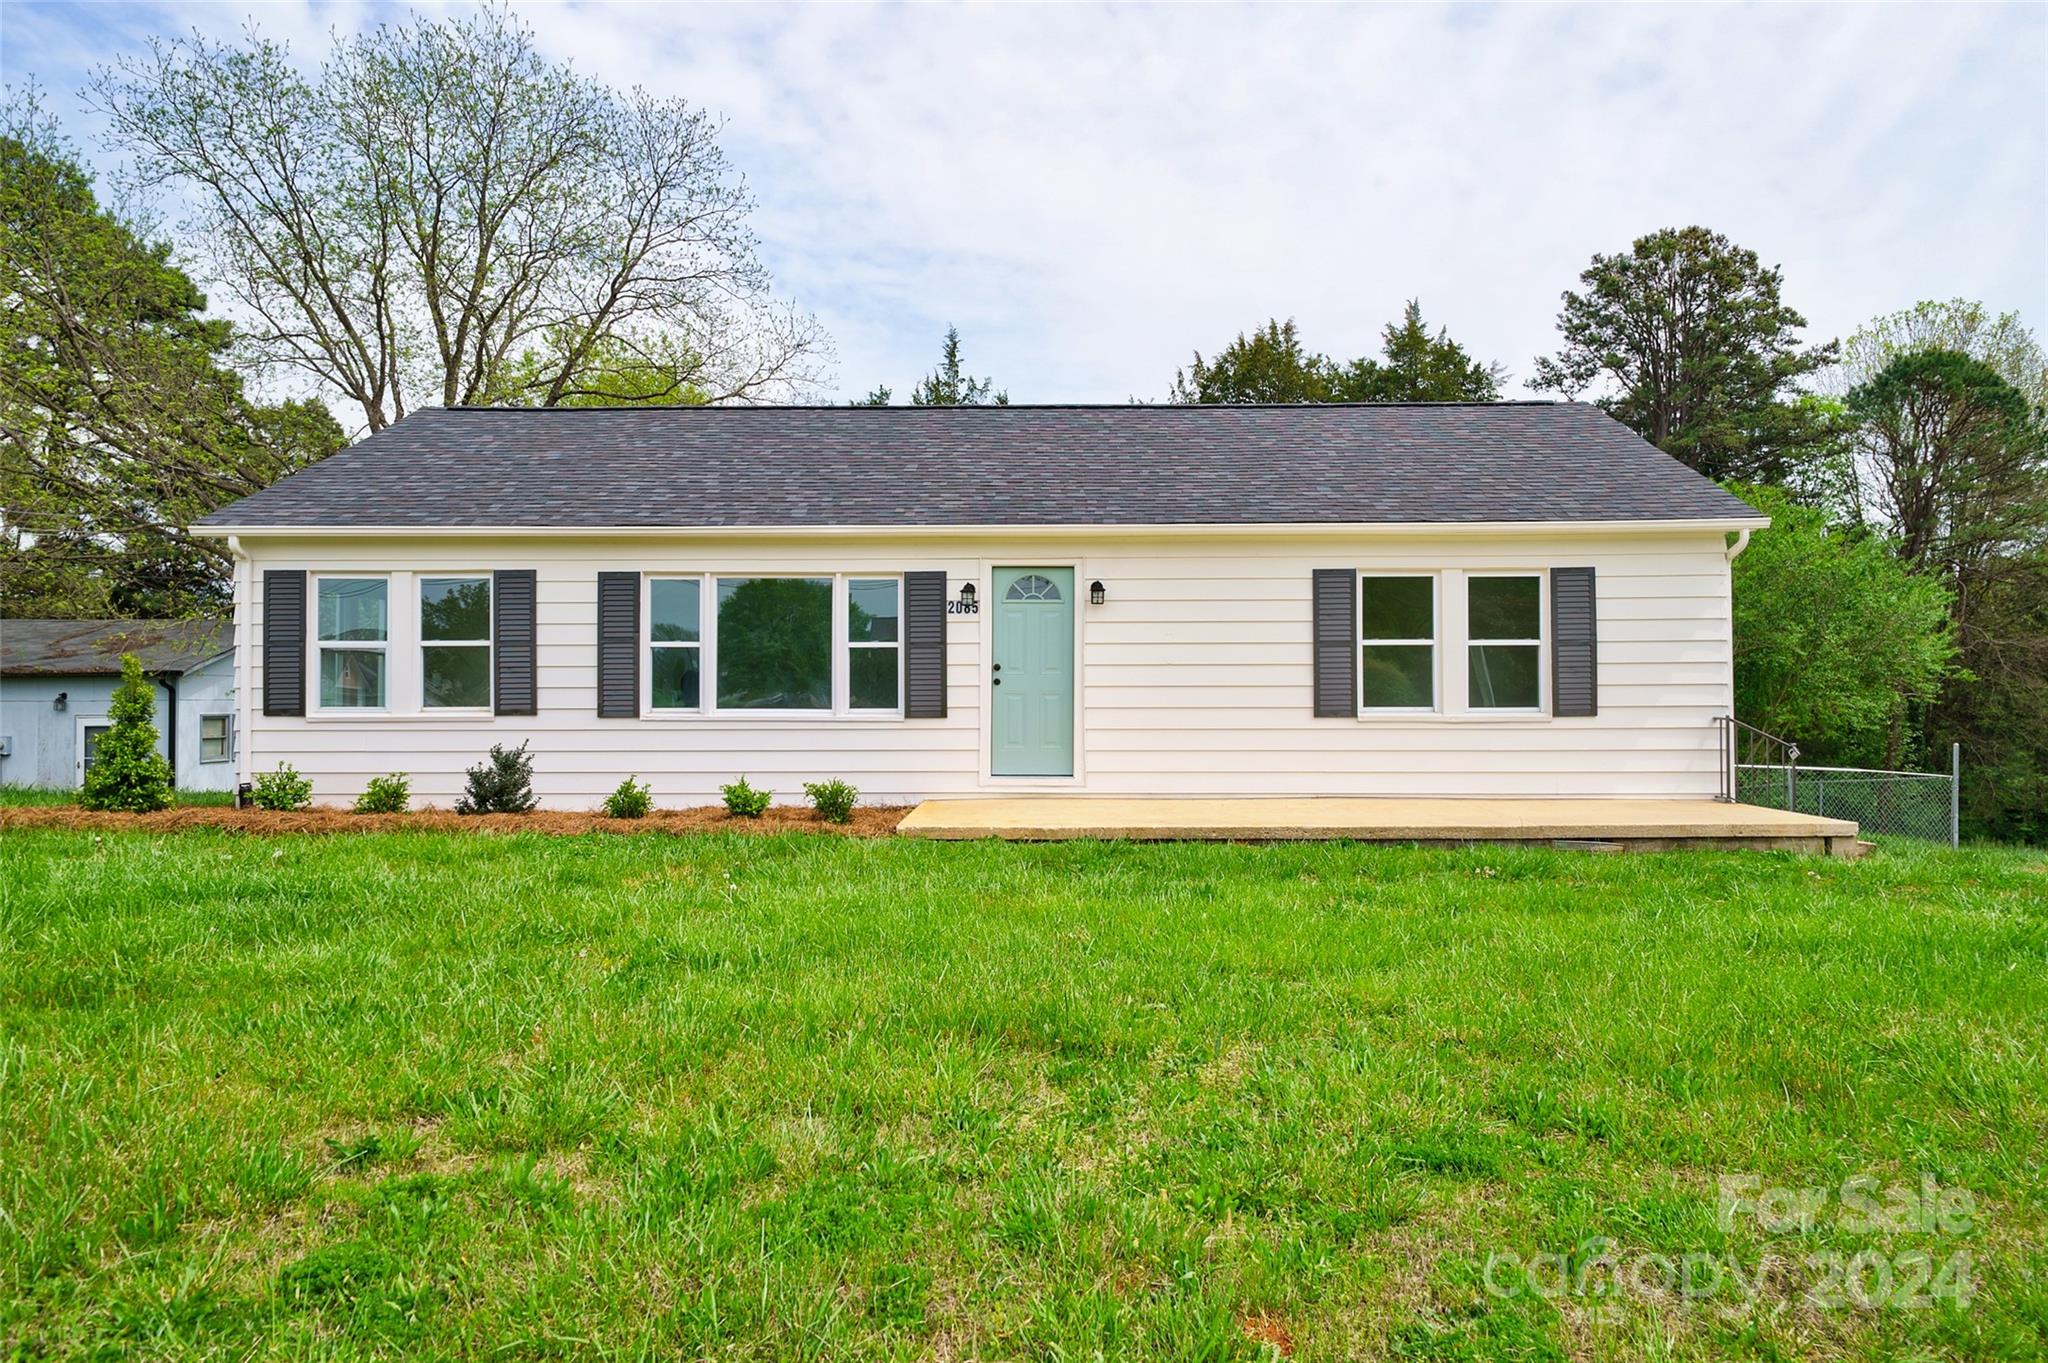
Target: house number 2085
(963,608)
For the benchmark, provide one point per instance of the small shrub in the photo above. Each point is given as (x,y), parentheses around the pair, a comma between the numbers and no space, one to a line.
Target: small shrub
(630,801)
(283,789)
(742,801)
(501,784)
(385,795)
(127,771)
(832,799)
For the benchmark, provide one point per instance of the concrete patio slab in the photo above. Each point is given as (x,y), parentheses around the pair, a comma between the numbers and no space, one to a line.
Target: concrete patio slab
(1632,824)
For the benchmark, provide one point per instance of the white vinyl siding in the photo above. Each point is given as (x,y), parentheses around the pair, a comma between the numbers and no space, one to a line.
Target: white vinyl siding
(1194,674)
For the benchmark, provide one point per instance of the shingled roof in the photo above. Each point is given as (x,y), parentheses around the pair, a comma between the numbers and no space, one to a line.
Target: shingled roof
(88,648)
(711,467)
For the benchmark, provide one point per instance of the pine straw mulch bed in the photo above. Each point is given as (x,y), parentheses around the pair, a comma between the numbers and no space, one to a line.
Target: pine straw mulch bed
(869,821)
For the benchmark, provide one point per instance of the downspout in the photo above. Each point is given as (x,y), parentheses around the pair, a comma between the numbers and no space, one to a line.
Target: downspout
(244,608)
(169,683)
(1728,775)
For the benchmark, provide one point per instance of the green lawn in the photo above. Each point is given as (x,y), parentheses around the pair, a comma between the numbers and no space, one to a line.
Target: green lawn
(504,1096)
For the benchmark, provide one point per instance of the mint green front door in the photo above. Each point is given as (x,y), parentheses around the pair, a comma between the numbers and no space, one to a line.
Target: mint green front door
(1032,690)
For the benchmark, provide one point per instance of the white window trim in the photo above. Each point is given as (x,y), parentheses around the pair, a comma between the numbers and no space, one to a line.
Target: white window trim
(228,744)
(708,708)
(397,589)
(1436,645)
(420,642)
(1541,643)
(1453,642)
(649,644)
(83,723)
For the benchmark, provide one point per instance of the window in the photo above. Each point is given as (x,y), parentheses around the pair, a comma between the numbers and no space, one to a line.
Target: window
(455,642)
(1505,648)
(675,638)
(774,646)
(1397,641)
(790,645)
(1032,587)
(216,738)
(873,644)
(355,627)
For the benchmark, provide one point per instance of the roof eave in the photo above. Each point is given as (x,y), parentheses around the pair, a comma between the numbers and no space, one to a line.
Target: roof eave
(1330,529)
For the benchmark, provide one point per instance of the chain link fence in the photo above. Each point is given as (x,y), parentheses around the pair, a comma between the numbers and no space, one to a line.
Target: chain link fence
(1900,804)
(1760,769)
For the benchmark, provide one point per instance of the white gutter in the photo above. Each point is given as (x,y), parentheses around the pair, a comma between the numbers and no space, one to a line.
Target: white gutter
(1738,525)
(1734,551)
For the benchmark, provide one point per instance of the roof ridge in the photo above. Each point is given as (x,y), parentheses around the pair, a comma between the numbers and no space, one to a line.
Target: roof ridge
(995,407)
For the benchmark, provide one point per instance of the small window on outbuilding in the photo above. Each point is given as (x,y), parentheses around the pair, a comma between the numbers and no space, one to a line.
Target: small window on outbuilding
(216,738)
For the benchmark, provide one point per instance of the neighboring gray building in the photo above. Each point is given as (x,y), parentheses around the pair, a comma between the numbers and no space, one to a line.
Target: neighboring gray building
(57,677)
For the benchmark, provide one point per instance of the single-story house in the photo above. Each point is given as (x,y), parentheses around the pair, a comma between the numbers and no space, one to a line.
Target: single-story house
(58,676)
(1513,599)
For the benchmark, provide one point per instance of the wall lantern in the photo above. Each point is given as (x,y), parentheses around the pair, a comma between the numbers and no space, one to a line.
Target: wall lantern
(967,598)
(61,699)
(1096,594)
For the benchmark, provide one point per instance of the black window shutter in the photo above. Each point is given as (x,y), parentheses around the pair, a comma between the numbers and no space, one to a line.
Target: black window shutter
(515,686)
(284,641)
(924,645)
(1336,642)
(618,645)
(1574,644)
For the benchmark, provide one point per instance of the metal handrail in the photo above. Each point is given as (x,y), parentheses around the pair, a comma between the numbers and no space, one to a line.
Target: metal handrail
(1747,751)
(1745,745)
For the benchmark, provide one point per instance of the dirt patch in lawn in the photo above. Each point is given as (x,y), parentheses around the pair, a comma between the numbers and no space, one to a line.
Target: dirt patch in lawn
(869,821)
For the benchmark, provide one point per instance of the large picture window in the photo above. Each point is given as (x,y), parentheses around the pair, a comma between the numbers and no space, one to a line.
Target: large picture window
(455,642)
(1505,641)
(873,643)
(675,643)
(774,648)
(1397,642)
(354,633)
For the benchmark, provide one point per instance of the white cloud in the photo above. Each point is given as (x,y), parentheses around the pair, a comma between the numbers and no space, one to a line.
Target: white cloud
(1091,194)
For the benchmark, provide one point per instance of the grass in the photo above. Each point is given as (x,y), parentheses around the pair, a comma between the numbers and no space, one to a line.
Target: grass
(793,1096)
(17,797)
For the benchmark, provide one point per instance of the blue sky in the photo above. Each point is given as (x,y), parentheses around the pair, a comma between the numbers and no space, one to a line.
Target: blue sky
(1092,193)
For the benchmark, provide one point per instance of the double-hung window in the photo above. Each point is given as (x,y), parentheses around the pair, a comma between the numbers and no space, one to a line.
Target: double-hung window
(874,649)
(1504,632)
(354,636)
(455,642)
(676,643)
(1397,642)
(216,738)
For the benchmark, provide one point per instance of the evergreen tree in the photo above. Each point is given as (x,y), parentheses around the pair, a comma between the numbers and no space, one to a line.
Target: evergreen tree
(1419,367)
(1270,365)
(950,386)
(127,772)
(121,420)
(1693,349)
